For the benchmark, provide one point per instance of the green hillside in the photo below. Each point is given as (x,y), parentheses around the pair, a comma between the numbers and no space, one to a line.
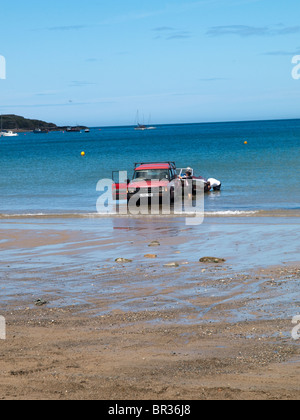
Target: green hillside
(15,122)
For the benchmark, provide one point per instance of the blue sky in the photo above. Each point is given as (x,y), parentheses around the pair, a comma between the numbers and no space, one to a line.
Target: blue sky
(98,62)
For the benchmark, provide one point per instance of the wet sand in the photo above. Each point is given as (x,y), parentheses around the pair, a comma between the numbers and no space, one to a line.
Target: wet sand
(143,330)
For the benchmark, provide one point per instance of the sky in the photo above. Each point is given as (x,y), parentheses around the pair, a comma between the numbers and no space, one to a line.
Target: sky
(97,62)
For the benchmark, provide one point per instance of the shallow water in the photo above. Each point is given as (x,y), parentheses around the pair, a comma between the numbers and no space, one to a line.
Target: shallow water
(242,241)
(72,262)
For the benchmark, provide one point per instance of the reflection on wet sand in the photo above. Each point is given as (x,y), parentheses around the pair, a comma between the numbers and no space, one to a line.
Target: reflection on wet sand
(76,259)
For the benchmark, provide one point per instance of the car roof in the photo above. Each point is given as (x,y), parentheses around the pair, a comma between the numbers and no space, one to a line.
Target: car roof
(146,166)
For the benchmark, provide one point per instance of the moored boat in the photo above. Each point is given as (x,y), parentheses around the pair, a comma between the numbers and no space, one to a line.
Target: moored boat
(8,134)
(40,131)
(73,130)
(142,127)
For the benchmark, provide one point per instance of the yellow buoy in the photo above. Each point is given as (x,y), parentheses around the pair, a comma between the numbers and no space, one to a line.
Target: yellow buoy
(245,142)
(82,153)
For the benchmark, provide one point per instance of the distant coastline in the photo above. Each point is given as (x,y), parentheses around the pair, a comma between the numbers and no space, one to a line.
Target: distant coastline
(19,124)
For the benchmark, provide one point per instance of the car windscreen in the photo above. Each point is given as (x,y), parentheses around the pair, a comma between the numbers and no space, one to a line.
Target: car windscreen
(151,174)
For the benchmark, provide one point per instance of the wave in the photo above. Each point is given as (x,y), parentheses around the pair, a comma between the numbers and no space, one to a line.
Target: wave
(254,213)
(217,213)
(47,215)
(232,213)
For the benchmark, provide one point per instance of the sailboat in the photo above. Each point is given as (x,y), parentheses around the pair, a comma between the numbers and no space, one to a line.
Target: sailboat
(142,127)
(138,125)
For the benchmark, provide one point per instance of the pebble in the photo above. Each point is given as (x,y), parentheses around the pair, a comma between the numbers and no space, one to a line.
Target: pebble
(150,256)
(211,260)
(171,264)
(40,302)
(123,260)
(154,243)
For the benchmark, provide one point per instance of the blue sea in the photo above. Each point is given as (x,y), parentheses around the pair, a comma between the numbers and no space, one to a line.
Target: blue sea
(45,174)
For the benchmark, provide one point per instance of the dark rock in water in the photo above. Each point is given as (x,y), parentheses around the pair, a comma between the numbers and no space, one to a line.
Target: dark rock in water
(123,260)
(154,243)
(211,260)
(40,302)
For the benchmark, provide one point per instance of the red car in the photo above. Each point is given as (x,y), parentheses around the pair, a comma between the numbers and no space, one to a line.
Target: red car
(153,180)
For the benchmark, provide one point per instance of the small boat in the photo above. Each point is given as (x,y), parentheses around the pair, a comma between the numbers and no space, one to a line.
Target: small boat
(87,130)
(40,131)
(73,130)
(198,182)
(144,127)
(8,134)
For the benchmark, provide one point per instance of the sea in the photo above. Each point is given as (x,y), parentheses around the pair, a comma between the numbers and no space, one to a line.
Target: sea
(256,161)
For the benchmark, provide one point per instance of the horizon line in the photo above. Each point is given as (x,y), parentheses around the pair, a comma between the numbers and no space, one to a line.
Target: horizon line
(204,122)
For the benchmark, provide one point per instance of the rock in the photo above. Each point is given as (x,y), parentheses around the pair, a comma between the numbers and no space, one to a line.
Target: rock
(171,264)
(123,260)
(211,260)
(40,302)
(154,243)
(150,256)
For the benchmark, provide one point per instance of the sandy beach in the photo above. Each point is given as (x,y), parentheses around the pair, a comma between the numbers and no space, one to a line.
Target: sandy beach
(161,326)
